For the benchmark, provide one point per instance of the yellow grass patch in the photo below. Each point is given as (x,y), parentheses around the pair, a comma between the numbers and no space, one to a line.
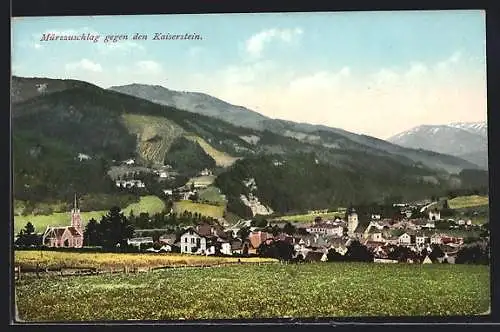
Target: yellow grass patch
(29,259)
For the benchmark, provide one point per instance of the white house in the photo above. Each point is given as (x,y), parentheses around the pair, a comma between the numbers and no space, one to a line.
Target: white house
(375,216)
(429,225)
(193,243)
(436,239)
(168,192)
(137,241)
(434,215)
(129,162)
(327,228)
(206,172)
(404,239)
(420,239)
(377,237)
(226,248)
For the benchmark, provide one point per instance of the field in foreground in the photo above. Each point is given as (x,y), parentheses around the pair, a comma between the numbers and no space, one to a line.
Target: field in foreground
(54,259)
(151,204)
(266,291)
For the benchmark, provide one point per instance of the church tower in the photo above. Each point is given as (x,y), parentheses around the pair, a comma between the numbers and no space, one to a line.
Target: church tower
(76,220)
(352,222)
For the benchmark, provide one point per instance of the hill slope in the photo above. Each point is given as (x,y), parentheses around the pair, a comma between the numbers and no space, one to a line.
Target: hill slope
(313,134)
(51,129)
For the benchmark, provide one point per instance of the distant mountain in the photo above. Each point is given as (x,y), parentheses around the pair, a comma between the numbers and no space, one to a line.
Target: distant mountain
(468,141)
(332,138)
(195,102)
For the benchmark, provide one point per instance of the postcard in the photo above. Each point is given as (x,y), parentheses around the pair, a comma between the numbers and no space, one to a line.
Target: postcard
(201,167)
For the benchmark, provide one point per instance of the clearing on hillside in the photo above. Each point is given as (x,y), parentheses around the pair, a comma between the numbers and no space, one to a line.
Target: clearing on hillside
(155,134)
(306,218)
(221,158)
(298,291)
(467,201)
(208,210)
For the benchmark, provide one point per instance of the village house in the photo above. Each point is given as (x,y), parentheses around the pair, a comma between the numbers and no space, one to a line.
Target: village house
(436,239)
(138,241)
(434,215)
(404,239)
(130,183)
(327,228)
(255,239)
(192,243)
(421,239)
(206,172)
(377,237)
(66,236)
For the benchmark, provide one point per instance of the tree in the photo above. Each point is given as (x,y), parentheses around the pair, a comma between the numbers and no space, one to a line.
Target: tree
(277,249)
(436,253)
(334,256)
(472,255)
(243,233)
(356,252)
(92,234)
(29,228)
(27,236)
(289,229)
(115,228)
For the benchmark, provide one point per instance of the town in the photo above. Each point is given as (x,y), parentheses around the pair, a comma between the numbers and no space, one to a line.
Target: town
(407,232)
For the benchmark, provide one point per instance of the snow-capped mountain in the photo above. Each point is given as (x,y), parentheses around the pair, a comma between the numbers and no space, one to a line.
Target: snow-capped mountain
(480,128)
(467,140)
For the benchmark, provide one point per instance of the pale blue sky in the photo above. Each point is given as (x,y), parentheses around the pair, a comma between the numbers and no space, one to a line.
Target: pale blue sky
(314,67)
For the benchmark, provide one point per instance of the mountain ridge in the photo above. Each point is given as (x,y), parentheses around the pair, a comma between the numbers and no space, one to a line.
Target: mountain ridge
(314,134)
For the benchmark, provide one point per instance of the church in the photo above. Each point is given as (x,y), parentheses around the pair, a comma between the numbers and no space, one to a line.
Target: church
(65,236)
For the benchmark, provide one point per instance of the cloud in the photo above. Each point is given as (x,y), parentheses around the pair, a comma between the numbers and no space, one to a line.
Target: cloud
(84,65)
(255,44)
(319,81)
(125,46)
(380,102)
(148,66)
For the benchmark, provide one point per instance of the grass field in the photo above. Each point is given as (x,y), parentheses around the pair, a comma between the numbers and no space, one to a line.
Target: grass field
(467,201)
(265,291)
(29,259)
(203,209)
(151,204)
(306,218)
(221,158)
(211,194)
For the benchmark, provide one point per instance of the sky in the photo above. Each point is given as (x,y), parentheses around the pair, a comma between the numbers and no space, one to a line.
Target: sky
(374,73)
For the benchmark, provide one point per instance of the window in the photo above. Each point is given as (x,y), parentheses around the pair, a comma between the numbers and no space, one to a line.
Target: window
(192,240)
(185,249)
(185,240)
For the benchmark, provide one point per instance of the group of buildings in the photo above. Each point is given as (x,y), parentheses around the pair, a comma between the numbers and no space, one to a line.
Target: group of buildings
(313,241)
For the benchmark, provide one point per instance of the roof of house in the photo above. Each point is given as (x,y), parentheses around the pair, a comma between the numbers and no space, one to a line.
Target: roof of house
(58,231)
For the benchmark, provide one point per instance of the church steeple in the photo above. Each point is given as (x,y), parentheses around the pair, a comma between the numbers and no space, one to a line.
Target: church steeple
(75,216)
